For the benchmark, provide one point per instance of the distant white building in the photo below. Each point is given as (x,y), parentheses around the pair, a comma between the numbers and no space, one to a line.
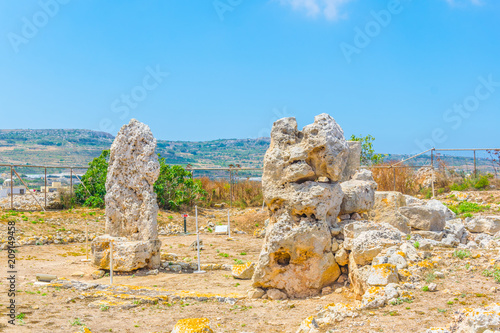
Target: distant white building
(5,189)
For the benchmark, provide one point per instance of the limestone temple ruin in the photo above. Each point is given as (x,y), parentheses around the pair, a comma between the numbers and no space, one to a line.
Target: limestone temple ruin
(327,226)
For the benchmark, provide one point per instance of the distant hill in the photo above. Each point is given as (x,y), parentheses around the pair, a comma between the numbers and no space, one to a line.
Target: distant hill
(75,147)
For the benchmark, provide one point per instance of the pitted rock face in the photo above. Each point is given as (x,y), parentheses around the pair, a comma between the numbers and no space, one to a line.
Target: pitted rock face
(319,150)
(131,207)
(302,170)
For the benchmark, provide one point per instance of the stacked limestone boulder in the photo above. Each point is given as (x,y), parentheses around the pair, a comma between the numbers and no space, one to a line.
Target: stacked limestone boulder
(310,177)
(131,207)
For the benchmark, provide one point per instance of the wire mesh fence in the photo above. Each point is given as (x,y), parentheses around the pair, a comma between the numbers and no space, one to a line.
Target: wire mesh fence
(239,186)
(37,184)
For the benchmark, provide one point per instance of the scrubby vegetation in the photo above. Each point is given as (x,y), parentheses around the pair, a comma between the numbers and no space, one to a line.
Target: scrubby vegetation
(175,188)
(468,207)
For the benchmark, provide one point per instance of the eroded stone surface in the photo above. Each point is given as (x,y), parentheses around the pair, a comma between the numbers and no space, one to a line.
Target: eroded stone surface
(131,207)
(300,185)
(424,217)
(386,209)
(359,193)
(483,224)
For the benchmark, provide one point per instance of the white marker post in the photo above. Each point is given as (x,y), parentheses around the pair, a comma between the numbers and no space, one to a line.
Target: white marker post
(199,271)
(111,262)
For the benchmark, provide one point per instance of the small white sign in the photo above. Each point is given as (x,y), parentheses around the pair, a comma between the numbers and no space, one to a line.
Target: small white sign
(221,229)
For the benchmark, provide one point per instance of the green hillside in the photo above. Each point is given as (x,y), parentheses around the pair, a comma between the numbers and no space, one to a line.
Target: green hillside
(73,147)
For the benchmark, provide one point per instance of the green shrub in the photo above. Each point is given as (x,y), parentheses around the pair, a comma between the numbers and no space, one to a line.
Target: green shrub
(175,185)
(426,192)
(482,183)
(461,254)
(92,190)
(468,207)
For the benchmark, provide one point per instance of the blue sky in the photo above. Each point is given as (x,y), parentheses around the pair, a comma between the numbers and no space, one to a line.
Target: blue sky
(413,74)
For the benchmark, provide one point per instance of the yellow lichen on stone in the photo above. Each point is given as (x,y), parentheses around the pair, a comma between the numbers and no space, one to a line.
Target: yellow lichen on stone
(238,269)
(385,269)
(308,321)
(193,325)
(406,294)
(426,264)
(328,305)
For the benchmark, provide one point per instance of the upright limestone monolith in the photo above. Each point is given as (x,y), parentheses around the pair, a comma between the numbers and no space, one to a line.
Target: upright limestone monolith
(131,207)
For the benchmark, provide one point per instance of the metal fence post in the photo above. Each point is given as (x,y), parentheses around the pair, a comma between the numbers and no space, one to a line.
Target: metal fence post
(11,188)
(432,172)
(475,169)
(394,177)
(71,186)
(45,190)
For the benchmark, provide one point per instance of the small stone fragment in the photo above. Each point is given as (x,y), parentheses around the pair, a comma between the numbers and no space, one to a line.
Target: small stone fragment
(276,294)
(97,274)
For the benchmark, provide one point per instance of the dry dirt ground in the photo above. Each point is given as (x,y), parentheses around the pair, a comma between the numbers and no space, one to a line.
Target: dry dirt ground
(49,309)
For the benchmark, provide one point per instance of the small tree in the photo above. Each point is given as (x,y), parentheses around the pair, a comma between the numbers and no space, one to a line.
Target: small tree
(92,194)
(176,187)
(368,156)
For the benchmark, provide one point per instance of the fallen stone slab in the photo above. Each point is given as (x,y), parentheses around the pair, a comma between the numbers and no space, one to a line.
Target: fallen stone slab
(424,217)
(483,224)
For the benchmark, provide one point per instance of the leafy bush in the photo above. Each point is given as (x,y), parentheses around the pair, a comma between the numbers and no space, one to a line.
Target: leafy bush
(482,183)
(176,187)
(472,183)
(93,188)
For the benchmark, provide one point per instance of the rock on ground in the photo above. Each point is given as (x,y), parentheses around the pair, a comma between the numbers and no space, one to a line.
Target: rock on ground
(386,209)
(426,218)
(243,271)
(193,325)
(483,224)
(359,193)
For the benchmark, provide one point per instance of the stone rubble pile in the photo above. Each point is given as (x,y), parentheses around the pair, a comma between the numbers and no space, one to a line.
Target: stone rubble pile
(478,320)
(329,226)
(58,238)
(27,202)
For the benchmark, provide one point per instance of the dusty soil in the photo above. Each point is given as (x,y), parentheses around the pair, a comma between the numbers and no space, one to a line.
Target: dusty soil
(48,309)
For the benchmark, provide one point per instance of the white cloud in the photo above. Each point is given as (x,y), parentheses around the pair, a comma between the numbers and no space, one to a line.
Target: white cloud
(464,2)
(330,9)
